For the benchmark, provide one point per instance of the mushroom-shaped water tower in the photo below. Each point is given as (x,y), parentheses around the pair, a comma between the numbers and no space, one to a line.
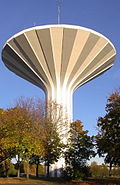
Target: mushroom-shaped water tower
(58,59)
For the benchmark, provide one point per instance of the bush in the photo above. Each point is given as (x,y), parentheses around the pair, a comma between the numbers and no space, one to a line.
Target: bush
(99,170)
(81,173)
(67,173)
(12,171)
(2,170)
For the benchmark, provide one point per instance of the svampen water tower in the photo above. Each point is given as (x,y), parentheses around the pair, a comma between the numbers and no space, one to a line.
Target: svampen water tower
(58,59)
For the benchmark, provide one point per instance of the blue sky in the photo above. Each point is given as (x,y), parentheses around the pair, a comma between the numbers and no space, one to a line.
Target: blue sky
(100,15)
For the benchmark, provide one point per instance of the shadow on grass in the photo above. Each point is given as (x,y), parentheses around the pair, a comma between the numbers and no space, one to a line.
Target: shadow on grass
(104,181)
(58,181)
(89,181)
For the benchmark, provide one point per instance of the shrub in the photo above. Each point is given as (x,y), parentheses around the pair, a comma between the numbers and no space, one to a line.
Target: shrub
(12,171)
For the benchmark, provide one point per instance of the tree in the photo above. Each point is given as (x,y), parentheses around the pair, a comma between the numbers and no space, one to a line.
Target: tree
(31,129)
(32,134)
(52,144)
(98,170)
(48,119)
(6,140)
(108,137)
(55,125)
(19,135)
(79,150)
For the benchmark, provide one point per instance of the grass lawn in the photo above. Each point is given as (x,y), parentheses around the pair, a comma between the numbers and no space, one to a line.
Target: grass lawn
(91,181)
(21,181)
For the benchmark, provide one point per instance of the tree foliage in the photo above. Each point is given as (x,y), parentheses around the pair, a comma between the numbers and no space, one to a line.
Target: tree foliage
(6,139)
(46,117)
(30,130)
(108,138)
(19,135)
(52,144)
(79,150)
(98,171)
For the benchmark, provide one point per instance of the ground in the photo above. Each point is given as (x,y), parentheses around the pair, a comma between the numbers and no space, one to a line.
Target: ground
(23,181)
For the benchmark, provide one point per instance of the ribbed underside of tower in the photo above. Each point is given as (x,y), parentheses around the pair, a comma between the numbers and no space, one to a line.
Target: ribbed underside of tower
(58,59)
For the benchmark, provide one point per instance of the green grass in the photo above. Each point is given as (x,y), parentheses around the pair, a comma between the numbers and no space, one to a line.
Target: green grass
(15,180)
(106,180)
(58,181)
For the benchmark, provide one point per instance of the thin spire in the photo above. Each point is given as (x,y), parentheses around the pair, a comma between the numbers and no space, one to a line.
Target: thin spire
(58,10)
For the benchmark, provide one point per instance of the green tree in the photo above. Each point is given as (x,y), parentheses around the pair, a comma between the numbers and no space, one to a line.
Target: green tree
(52,144)
(37,160)
(31,128)
(48,120)
(108,137)
(6,139)
(19,136)
(98,170)
(79,150)
(12,171)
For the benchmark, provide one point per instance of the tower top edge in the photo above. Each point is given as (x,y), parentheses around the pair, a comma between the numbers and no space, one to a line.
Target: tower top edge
(61,26)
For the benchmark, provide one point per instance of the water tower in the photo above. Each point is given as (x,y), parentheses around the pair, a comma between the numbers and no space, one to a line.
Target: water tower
(58,59)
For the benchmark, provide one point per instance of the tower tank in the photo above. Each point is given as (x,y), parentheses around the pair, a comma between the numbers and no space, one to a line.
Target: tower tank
(58,59)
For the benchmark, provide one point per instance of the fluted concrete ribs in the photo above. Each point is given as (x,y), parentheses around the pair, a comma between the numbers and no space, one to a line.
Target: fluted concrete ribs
(58,58)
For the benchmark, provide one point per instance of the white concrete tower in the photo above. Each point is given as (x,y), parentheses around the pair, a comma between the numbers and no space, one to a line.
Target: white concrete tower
(58,59)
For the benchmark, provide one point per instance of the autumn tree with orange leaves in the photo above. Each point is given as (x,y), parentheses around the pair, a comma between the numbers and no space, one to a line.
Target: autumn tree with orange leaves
(108,138)
(46,120)
(29,132)
(18,136)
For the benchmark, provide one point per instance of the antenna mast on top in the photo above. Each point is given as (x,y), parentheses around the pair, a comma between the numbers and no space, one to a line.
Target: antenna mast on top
(58,10)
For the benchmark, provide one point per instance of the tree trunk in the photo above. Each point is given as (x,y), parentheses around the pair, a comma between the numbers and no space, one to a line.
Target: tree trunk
(110,169)
(48,172)
(27,167)
(6,169)
(37,167)
(27,172)
(18,170)
(27,175)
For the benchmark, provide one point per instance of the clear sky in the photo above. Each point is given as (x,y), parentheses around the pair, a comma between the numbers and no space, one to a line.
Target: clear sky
(100,15)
